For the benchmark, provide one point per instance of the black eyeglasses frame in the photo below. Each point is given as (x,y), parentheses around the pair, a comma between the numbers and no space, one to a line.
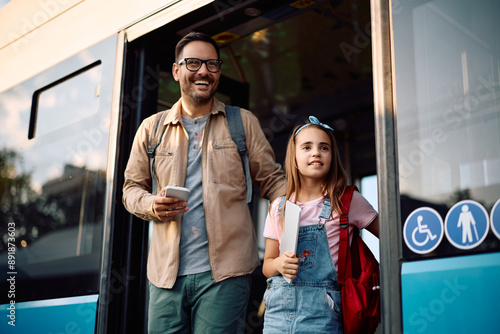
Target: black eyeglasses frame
(185,60)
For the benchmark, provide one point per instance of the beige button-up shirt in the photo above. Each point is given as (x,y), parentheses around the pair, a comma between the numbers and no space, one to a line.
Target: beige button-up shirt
(232,243)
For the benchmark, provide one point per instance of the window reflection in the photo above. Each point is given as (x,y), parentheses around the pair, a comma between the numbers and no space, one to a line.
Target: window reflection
(52,187)
(448,95)
(72,100)
(57,231)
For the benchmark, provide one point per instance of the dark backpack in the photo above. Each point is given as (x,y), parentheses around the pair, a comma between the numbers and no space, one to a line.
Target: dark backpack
(236,129)
(358,273)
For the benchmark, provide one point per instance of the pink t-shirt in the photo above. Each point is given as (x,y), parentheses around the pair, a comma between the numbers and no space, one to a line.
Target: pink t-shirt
(361,214)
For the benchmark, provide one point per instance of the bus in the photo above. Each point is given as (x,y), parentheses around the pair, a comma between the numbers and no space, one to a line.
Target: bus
(411,87)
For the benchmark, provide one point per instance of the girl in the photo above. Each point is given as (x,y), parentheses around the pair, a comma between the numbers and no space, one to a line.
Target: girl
(311,303)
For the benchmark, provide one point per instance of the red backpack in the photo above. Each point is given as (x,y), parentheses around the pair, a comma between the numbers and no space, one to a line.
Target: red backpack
(358,274)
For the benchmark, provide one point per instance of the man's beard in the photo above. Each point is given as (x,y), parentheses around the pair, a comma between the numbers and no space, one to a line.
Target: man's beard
(203,98)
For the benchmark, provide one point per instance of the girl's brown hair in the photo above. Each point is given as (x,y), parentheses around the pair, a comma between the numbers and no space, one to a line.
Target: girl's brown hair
(336,179)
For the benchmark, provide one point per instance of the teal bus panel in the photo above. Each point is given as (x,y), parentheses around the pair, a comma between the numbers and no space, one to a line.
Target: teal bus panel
(53,316)
(451,295)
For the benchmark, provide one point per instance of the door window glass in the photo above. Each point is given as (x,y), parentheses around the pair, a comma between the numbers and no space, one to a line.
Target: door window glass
(447,56)
(53,180)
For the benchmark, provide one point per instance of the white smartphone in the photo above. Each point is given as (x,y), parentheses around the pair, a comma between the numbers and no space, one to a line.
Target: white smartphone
(180,192)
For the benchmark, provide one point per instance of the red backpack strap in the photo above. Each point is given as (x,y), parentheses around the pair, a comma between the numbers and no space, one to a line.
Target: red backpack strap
(344,266)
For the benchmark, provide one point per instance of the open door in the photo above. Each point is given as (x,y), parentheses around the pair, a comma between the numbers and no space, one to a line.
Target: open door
(283,62)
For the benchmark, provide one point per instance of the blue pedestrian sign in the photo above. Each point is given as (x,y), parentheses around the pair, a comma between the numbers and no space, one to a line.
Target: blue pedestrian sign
(466,224)
(495,219)
(423,230)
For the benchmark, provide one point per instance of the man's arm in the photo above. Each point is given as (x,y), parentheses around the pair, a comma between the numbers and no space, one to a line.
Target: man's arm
(137,196)
(265,171)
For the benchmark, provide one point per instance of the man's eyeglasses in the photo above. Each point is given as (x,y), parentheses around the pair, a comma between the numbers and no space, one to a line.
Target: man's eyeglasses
(194,64)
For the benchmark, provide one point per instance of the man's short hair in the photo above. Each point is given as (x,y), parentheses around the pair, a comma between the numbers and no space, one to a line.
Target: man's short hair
(192,37)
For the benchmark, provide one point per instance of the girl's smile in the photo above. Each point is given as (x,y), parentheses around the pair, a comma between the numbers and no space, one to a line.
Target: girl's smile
(316,163)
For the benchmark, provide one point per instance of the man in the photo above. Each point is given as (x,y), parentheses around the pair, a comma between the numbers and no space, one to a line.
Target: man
(202,254)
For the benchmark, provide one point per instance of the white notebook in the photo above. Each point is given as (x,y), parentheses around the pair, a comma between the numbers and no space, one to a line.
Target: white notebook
(290,235)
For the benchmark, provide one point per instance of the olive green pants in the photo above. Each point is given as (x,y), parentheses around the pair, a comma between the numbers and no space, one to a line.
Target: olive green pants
(197,304)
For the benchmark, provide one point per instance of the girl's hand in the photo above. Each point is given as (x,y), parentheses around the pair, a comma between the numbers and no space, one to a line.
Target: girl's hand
(274,264)
(287,264)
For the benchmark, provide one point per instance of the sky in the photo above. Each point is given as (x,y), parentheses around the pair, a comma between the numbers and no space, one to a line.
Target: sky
(3,3)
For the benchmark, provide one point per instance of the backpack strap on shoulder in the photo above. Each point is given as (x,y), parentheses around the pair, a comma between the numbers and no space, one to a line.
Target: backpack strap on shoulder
(344,266)
(154,140)
(237,131)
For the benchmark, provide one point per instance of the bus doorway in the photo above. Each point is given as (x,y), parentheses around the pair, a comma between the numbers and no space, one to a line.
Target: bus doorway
(283,62)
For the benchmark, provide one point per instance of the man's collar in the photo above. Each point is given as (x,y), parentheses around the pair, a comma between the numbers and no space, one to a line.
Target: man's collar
(175,114)
(217,107)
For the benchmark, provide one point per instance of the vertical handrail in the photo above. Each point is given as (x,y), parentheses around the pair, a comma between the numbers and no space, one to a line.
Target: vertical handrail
(104,282)
(387,165)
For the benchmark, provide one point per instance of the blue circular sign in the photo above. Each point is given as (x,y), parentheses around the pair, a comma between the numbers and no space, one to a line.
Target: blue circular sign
(423,230)
(495,219)
(466,224)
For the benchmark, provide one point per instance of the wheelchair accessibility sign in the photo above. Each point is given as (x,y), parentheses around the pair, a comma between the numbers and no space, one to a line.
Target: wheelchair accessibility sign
(423,230)
(466,224)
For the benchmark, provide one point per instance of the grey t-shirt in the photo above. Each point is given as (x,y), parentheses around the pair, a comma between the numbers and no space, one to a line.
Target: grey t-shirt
(193,246)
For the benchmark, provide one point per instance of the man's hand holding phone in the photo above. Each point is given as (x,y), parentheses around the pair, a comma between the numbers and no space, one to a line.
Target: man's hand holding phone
(181,193)
(170,202)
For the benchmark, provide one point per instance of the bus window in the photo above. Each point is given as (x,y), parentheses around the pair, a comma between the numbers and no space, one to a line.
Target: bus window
(448,120)
(68,100)
(53,193)
(447,68)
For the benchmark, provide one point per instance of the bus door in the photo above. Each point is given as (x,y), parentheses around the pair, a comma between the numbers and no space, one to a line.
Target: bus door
(447,74)
(56,181)
(283,61)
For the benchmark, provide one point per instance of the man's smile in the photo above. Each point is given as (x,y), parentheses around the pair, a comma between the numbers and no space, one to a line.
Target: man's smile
(201,83)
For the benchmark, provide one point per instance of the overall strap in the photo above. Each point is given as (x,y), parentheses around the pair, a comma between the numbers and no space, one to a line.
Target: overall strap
(154,140)
(281,203)
(237,131)
(326,211)
(344,266)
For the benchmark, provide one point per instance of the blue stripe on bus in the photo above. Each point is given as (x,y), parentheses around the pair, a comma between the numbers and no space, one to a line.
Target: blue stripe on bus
(62,315)
(451,295)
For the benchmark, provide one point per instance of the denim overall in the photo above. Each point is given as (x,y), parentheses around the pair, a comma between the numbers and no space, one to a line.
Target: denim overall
(311,303)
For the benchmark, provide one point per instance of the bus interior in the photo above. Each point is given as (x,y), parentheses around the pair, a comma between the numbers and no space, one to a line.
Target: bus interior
(283,63)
